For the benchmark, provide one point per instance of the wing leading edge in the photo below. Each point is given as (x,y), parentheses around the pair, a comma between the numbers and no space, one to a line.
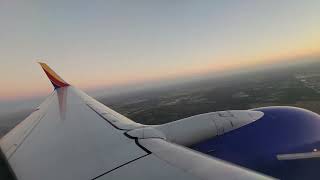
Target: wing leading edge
(72,136)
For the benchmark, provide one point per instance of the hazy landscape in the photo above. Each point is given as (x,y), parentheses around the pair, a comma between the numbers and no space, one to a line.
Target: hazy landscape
(291,85)
(296,85)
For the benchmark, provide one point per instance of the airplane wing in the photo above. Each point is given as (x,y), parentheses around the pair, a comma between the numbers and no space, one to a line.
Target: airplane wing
(72,136)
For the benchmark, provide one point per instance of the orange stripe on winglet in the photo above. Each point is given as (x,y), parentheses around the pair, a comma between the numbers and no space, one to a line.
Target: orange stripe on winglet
(55,79)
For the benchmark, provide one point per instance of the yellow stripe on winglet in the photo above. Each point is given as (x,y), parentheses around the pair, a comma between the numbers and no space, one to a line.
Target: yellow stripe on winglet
(51,72)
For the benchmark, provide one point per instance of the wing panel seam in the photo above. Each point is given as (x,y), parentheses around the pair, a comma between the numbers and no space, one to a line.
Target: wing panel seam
(105,118)
(119,166)
(125,133)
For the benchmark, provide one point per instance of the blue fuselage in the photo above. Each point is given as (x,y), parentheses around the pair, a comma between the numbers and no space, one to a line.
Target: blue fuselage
(282,130)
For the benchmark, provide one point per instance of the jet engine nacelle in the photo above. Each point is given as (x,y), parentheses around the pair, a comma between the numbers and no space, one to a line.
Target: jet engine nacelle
(195,129)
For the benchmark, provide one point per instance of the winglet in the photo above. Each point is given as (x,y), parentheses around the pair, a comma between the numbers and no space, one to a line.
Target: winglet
(55,79)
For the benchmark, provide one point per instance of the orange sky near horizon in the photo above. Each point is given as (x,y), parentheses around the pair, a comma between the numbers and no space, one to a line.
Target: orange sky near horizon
(109,43)
(27,89)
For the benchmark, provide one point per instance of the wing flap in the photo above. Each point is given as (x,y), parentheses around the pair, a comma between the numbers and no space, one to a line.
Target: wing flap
(196,164)
(171,161)
(149,167)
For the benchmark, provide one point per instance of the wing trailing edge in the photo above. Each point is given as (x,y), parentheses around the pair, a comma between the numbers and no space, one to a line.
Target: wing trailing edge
(55,79)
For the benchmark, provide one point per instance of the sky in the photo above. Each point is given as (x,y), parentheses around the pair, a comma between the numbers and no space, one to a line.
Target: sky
(94,44)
